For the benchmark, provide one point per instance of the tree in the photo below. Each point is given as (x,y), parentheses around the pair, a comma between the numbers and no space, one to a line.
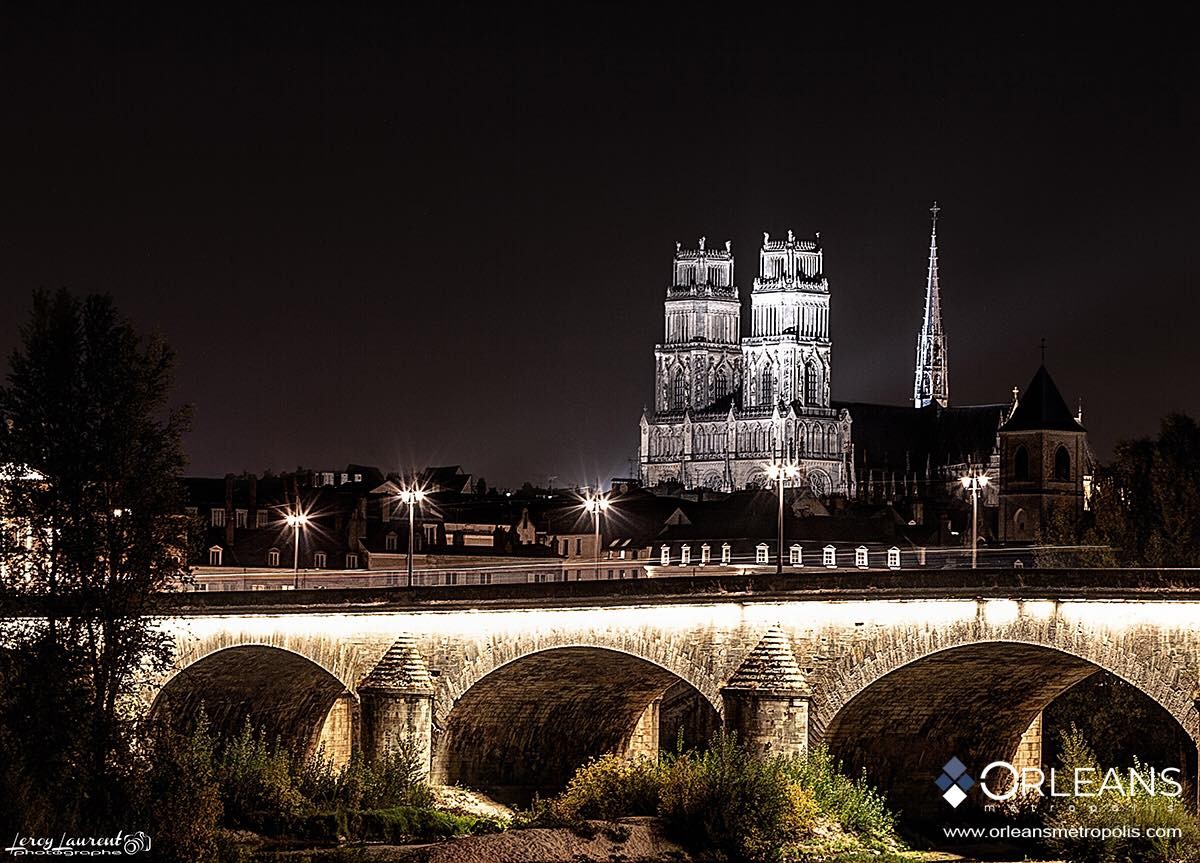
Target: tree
(90,497)
(1147,504)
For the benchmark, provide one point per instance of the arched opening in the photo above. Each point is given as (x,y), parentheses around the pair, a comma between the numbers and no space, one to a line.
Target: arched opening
(678,391)
(766,387)
(973,702)
(1062,464)
(1021,464)
(526,726)
(290,697)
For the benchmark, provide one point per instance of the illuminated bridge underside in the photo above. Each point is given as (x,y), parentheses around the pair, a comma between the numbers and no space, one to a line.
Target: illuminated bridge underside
(285,694)
(973,702)
(529,724)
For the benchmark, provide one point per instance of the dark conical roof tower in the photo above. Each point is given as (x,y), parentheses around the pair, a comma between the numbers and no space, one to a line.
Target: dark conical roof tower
(1042,408)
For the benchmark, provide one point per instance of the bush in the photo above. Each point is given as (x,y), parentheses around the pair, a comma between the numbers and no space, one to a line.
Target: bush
(256,781)
(401,823)
(611,787)
(178,794)
(852,803)
(1115,813)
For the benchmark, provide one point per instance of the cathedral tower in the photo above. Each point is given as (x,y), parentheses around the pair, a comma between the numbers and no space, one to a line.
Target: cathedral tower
(786,356)
(699,361)
(932,383)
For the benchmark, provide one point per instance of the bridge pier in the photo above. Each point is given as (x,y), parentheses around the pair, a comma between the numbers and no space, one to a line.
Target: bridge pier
(767,700)
(397,704)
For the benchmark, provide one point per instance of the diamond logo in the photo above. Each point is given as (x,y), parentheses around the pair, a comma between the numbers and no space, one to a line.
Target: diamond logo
(954,782)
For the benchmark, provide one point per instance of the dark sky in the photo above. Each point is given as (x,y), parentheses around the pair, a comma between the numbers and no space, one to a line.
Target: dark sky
(444,236)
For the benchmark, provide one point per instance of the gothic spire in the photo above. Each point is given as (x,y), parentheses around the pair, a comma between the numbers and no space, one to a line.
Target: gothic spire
(932,383)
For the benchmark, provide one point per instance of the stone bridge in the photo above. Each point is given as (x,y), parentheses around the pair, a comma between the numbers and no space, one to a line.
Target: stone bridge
(509,688)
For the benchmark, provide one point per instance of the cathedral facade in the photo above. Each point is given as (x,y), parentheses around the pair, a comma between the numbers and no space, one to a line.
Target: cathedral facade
(727,406)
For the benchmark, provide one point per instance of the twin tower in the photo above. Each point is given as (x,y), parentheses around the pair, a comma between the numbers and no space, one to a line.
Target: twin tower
(726,405)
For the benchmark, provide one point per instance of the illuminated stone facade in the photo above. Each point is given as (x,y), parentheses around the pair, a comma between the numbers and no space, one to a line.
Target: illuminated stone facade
(724,405)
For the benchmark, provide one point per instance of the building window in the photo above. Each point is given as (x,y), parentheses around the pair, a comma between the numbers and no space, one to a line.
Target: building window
(621,555)
(685,555)
(389,542)
(705,554)
(796,556)
(829,557)
(319,559)
(273,557)
(720,385)
(240,518)
(860,557)
(634,554)
(1062,465)
(578,546)
(766,393)
(429,531)
(1019,522)
(218,518)
(678,391)
(352,561)
(1021,463)
(215,555)
(761,553)
(893,558)
(261,518)
(811,396)
(725,554)
(666,555)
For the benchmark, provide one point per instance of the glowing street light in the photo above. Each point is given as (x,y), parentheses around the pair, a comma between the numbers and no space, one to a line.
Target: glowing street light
(412,497)
(974,483)
(296,520)
(779,471)
(596,505)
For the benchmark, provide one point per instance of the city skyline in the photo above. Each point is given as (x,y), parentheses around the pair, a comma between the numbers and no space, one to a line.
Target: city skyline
(373,257)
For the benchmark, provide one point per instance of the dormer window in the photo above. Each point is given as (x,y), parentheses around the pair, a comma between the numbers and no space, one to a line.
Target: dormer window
(705,554)
(216,554)
(726,554)
(666,555)
(829,557)
(762,553)
(273,557)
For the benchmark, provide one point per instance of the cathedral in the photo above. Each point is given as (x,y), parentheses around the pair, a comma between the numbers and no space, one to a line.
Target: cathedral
(725,406)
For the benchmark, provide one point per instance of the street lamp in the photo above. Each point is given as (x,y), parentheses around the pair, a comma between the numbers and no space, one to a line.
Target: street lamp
(296,520)
(779,471)
(975,483)
(596,505)
(412,497)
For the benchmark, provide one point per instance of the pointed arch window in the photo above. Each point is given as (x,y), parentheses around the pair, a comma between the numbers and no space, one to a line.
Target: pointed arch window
(811,383)
(766,387)
(1062,464)
(1021,463)
(678,391)
(720,385)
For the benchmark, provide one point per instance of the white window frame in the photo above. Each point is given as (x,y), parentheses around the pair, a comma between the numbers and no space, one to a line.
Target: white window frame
(216,555)
(241,518)
(391,542)
(726,553)
(762,553)
(665,555)
(273,557)
(796,555)
(893,558)
(217,517)
(319,560)
(262,518)
(860,557)
(351,561)
(685,555)
(829,557)
(705,554)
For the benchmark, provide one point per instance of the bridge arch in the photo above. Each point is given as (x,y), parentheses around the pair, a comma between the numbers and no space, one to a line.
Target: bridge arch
(905,710)
(528,722)
(290,696)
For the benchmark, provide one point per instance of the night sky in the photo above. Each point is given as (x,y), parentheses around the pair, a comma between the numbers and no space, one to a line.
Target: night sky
(444,236)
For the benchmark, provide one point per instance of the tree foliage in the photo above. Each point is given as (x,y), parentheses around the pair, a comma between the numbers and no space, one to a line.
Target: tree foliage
(90,455)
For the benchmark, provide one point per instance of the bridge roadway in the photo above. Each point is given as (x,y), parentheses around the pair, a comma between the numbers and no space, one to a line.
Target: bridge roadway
(509,687)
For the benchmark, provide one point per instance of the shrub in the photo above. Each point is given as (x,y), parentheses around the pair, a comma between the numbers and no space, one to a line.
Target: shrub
(400,823)
(1113,813)
(852,803)
(611,787)
(178,794)
(256,779)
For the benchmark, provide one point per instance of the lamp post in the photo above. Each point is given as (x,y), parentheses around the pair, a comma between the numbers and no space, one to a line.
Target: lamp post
(596,505)
(975,483)
(296,520)
(412,497)
(779,471)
